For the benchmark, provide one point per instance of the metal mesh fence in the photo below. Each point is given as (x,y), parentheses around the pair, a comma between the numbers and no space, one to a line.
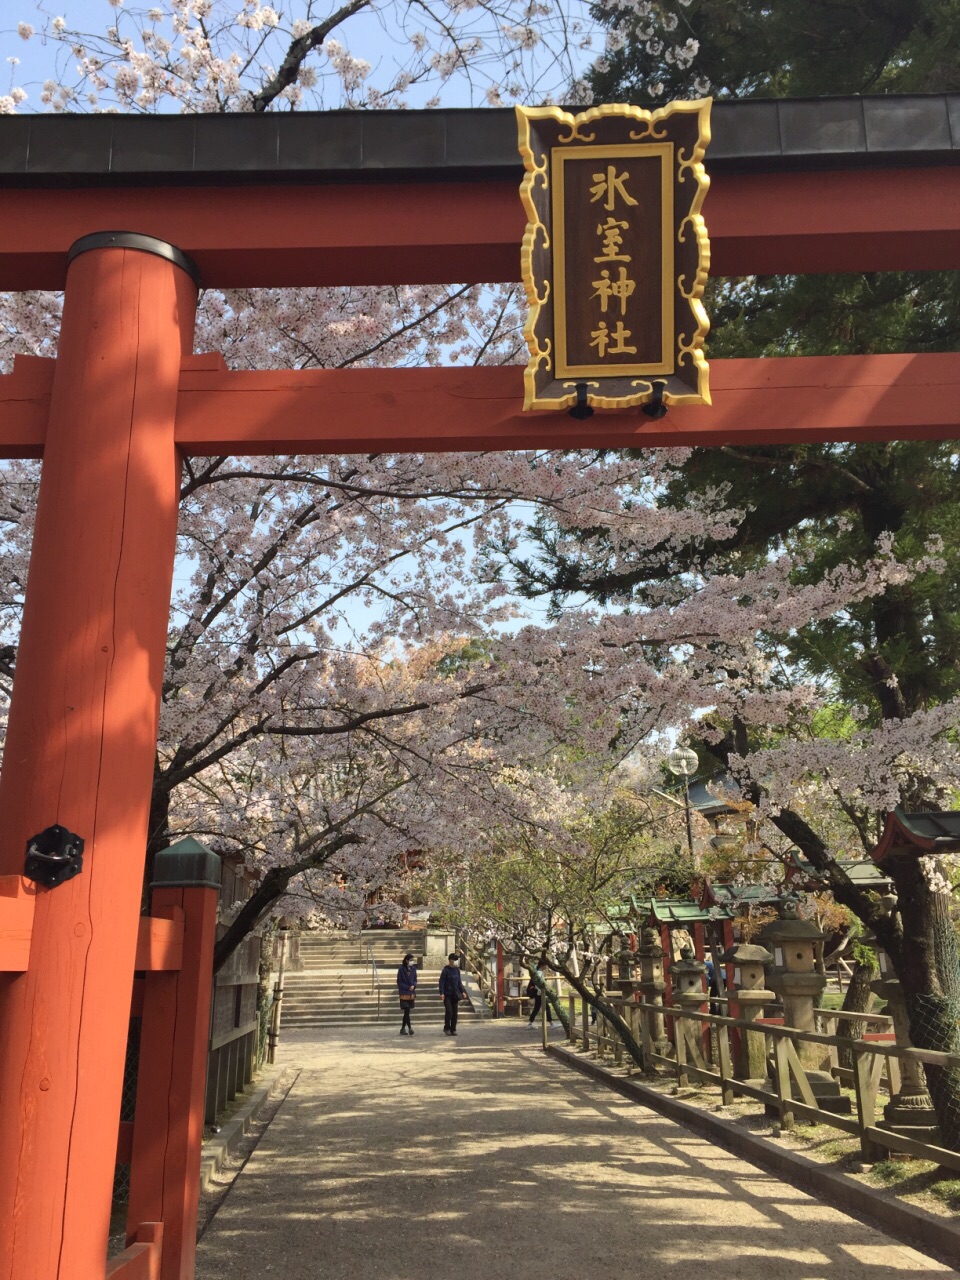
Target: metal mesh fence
(128,1099)
(933,1022)
(128,1105)
(933,1025)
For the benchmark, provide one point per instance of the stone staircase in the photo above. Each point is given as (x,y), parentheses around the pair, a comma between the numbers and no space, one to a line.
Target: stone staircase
(335,989)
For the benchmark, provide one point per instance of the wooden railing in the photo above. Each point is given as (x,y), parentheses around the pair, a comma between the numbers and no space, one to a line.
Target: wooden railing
(159,941)
(140,1260)
(375,984)
(478,965)
(17,898)
(701,1051)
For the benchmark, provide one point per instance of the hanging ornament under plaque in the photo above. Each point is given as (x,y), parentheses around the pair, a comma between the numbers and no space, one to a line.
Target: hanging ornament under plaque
(615,256)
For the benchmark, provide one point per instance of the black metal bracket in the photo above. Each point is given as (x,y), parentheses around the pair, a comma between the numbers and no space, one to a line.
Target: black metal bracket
(53,856)
(655,408)
(581,409)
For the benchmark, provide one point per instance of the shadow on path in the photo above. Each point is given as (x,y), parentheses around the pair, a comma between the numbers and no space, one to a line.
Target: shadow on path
(480,1159)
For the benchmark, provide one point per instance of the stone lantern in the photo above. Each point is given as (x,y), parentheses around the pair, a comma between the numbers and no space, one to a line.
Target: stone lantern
(625,961)
(651,985)
(750,992)
(795,979)
(626,983)
(686,975)
(910,1111)
(907,837)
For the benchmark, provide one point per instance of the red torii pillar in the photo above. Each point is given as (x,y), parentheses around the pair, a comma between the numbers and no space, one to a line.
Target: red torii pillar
(82,739)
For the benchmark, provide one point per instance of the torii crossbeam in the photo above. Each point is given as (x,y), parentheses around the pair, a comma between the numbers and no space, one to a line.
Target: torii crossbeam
(288,200)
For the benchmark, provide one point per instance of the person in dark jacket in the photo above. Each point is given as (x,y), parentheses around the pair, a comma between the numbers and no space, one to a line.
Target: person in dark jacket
(451,988)
(407,991)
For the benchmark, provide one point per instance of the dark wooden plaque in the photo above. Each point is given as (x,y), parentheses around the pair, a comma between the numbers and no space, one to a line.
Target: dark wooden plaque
(615,255)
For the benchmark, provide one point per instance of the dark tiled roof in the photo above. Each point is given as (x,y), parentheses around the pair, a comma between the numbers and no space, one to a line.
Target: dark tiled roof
(708,796)
(932,826)
(480,144)
(918,833)
(860,870)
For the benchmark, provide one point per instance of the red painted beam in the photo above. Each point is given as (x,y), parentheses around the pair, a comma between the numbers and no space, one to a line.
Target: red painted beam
(17,898)
(754,402)
(370,410)
(160,944)
(168,1124)
(25,407)
(80,745)
(427,233)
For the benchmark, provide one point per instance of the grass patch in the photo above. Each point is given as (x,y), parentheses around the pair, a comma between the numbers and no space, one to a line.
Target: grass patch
(892,1172)
(827,1143)
(947,1189)
(918,1177)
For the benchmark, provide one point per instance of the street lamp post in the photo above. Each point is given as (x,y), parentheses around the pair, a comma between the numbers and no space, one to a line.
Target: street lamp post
(683,762)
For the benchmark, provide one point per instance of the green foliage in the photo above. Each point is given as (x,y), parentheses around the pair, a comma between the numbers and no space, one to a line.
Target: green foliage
(476,649)
(785,48)
(866,956)
(870,313)
(536,889)
(830,504)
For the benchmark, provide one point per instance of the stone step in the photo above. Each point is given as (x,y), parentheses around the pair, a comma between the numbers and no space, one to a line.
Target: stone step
(350,966)
(365,1002)
(394,940)
(435,1026)
(352,982)
(345,993)
(367,1016)
(305,1006)
(347,1011)
(333,988)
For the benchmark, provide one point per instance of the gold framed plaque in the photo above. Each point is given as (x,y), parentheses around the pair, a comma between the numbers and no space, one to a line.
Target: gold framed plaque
(615,255)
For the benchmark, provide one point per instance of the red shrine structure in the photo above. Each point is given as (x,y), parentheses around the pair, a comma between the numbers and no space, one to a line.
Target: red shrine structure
(129,215)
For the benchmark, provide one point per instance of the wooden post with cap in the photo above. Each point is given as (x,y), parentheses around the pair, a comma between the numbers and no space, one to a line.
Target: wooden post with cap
(168,1126)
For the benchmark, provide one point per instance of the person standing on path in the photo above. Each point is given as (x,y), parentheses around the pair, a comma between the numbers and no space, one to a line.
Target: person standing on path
(451,988)
(407,991)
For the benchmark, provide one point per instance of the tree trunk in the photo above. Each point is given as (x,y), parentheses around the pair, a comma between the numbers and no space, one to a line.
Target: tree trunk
(606,1010)
(271,887)
(856,1000)
(928,966)
(555,1006)
(158,827)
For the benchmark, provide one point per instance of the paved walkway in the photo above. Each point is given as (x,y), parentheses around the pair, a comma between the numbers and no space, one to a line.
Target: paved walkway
(480,1159)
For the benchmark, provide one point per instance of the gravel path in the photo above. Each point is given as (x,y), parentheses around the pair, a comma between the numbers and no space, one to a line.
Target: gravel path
(480,1159)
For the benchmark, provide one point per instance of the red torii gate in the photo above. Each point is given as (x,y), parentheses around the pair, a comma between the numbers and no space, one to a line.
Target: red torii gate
(125,398)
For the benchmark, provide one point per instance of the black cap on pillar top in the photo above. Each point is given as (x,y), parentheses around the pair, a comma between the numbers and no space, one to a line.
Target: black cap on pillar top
(134,240)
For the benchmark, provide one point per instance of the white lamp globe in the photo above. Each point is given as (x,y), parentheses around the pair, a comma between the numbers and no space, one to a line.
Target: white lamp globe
(683,761)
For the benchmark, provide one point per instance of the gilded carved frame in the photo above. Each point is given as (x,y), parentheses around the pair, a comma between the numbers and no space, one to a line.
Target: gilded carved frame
(546,136)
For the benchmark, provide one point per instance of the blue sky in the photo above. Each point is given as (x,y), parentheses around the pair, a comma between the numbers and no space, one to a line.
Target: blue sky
(367,35)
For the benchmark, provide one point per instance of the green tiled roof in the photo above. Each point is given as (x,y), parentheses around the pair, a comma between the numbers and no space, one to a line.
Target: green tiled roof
(679,911)
(736,894)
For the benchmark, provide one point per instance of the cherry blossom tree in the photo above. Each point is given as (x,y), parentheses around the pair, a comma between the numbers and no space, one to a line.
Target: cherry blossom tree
(728,647)
(556,886)
(283,557)
(276,684)
(244,55)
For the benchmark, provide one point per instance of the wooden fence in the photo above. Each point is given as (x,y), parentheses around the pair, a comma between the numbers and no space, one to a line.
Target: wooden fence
(701,1051)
